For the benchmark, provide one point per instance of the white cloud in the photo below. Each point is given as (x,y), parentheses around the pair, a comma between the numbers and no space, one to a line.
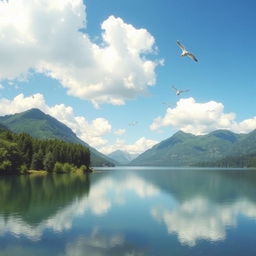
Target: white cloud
(91,132)
(119,132)
(138,147)
(201,118)
(1,87)
(44,36)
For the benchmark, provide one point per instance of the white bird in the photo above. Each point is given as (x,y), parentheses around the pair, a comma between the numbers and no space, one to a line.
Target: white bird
(178,92)
(133,123)
(185,52)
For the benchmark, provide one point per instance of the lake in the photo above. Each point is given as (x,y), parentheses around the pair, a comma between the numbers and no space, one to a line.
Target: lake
(130,211)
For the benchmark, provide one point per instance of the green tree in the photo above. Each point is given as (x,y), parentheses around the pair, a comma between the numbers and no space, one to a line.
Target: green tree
(10,158)
(49,162)
(5,166)
(67,168)
(25,147)
(23,169)
(37,160)
(20,151)
(58,167)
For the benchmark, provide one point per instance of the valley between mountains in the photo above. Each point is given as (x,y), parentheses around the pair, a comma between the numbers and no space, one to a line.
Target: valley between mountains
(221,148)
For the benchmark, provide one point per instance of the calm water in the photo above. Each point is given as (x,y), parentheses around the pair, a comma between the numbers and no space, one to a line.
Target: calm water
(125,211)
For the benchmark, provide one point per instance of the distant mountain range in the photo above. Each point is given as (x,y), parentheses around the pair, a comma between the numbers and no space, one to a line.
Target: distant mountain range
(184,149)
(40,125)
(121,157)
(221,147)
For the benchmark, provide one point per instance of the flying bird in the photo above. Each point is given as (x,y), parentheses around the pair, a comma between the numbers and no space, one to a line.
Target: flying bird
(133,123)
(178,91)
(185,52)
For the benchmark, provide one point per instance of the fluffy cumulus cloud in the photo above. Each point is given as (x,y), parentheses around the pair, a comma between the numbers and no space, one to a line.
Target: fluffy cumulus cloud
(91,132)
(201,118)
(138,147)
(45,36)
(119,132)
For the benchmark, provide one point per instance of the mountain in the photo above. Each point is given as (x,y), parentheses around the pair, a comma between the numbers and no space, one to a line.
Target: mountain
(43,126)
(184,149)
(247,145)
(39,125)
(2,127)
(121,157)
(243,154)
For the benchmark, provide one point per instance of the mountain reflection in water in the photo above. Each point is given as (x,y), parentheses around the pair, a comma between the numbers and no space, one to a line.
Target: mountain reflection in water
(129,211)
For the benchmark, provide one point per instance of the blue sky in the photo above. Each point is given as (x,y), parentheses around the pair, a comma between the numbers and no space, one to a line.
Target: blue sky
(99,66)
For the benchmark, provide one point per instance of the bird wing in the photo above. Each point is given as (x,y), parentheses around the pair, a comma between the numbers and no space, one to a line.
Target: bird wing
(182,47)
(175,88)
(133,123)
(192,56)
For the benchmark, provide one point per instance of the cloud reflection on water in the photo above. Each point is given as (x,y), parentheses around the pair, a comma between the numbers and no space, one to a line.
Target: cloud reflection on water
(200,218)
(191,219)
(100,244)
(103,195)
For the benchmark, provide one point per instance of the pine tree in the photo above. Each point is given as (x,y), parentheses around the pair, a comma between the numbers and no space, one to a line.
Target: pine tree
(37,161)
(49,162)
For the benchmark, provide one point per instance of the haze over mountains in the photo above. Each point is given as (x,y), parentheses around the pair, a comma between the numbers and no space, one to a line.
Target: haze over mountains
(122,157)
(43,126)
(181,149)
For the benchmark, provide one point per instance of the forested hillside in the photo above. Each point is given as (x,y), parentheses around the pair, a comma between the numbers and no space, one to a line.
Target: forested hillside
(248,160)
(218,148)
(21,152)
(42,126)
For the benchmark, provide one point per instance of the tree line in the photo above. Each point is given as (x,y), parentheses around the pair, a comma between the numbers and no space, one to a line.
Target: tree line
(232,161)
(21,152)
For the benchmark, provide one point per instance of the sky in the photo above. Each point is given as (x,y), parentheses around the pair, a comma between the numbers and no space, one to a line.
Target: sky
(107,68)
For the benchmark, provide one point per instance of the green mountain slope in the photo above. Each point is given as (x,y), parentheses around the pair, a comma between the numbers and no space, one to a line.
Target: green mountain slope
(3,128)
(183,149)
(247,145)
(39,125)
(42,126)
(242,154)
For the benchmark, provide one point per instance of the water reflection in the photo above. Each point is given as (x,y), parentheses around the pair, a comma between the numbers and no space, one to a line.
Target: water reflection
(34,198)
(100,244)
(31,204)
(201,219)
(208,202)
(105,193)
(126,212)
(19,250)
(112,190)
